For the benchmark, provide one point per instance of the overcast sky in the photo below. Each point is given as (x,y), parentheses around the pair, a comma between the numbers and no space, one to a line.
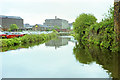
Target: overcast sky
(36,11)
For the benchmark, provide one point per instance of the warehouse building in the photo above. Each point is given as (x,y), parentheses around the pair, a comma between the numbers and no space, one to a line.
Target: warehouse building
(61,23)
(6,21)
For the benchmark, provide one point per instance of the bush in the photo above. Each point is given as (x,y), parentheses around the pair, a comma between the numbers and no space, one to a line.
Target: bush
(54,31)
(101,34)
(27,39)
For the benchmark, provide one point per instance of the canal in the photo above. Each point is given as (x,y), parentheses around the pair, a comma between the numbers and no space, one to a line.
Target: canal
(62,57)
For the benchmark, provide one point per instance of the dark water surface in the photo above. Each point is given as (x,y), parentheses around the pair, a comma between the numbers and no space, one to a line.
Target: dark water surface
(59,58)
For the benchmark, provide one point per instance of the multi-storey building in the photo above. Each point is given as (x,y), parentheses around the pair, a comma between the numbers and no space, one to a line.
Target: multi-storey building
(61,23)
(6,21)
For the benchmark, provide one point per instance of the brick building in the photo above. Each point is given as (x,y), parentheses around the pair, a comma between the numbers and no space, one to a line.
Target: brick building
(6,21)
(0,28)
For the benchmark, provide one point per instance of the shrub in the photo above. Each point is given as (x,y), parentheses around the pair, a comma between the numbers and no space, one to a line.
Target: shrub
(27,39)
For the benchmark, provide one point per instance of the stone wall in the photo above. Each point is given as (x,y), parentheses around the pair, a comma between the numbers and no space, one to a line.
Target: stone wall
(117,18)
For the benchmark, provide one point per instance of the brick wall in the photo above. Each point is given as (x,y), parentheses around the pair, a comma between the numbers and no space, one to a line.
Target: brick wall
(6,22)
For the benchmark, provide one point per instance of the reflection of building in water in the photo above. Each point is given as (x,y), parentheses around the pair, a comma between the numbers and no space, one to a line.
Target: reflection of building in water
(58,42)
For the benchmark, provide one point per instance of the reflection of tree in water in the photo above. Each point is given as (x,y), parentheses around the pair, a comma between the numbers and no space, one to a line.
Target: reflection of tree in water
(55,43)
(3,49)
(61,41)
(82,55)
(108,60)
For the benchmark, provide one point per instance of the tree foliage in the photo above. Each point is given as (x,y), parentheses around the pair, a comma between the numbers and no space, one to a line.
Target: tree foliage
(102,34)
(56,27)
(13,27)
(105,32)
(82,22)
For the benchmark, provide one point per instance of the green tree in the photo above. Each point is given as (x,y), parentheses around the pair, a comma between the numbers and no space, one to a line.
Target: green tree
(82,22)
(56,27)
(13,27)
(110,14)
(68,28)
(54,31)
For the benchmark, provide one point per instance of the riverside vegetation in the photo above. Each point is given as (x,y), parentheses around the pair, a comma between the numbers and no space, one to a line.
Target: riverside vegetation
(4,49)
(88,31)
(27,39)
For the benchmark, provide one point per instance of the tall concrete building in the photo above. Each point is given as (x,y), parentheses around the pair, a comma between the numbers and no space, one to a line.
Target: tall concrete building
(61,23)
(6,21)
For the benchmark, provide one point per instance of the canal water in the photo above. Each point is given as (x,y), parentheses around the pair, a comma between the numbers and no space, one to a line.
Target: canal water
(59,58)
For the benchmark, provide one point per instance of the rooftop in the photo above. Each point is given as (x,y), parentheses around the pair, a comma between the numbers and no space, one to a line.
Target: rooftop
(13,17)
(57,19)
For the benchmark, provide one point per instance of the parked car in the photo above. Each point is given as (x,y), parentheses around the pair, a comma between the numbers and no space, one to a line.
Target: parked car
(26,32)
(9,35)
(22,33)
(2,35)
(18,34)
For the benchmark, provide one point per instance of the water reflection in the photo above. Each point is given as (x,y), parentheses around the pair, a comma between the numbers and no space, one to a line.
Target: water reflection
(41,61)
(57,42)
(60,41)
(4,49)
(108,60)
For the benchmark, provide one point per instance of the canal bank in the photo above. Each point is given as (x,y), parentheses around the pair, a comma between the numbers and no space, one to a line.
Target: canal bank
(27,39)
